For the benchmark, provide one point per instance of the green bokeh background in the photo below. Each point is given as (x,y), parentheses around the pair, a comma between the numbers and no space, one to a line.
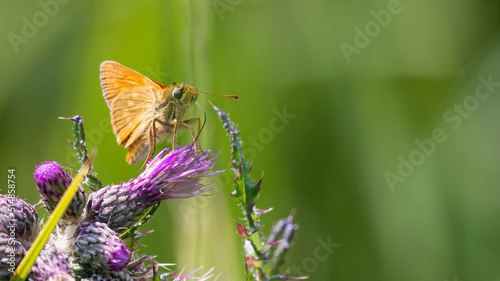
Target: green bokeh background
(354,117)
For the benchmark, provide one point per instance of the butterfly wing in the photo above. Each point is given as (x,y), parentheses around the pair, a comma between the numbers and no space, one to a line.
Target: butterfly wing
(132,112)
(116,79)
(137,150)
(132,99)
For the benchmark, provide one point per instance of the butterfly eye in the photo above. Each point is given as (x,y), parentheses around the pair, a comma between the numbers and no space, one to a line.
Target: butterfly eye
(177,93)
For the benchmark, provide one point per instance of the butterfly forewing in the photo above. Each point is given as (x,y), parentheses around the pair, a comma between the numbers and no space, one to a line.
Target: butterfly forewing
(116,79)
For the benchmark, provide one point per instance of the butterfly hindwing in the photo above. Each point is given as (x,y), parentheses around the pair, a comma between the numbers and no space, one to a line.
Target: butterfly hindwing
(137,150)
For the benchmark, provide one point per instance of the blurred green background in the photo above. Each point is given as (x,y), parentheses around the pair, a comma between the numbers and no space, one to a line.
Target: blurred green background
(365,84)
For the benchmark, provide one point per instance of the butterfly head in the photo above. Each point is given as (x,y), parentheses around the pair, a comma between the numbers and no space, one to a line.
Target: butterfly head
(185,94)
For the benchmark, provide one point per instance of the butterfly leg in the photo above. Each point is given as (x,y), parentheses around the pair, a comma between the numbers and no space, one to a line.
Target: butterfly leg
(152,145)
(174,137)
(195,136)
(167,125)
(152,141)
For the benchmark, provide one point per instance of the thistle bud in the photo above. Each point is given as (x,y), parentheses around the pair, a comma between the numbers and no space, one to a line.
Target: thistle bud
(18,219)
(98,247)
(11,254)
(51,264)
(52,181)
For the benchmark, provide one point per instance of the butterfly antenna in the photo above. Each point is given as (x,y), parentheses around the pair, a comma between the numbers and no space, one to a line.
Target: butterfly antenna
(224,96)
(204,120)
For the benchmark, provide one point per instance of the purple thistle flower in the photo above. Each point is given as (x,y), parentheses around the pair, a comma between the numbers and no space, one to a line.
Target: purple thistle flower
(109,276)
(176,174)
(11,254)
(52,181)
(18,219)
(51,264)
(98,247)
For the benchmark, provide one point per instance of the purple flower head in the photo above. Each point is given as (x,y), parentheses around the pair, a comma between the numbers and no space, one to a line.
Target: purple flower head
(51,264)
(123,275)
(18,219)
(98,247)
(176,174)
(52,181)
(11,253)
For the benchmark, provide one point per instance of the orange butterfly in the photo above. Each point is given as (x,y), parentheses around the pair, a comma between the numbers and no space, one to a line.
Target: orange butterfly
(143,110)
